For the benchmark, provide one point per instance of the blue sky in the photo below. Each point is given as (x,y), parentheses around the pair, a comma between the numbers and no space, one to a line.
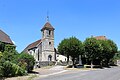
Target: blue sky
(22,20)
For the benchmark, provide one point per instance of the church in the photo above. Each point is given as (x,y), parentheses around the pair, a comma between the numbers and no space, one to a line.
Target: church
(43,49)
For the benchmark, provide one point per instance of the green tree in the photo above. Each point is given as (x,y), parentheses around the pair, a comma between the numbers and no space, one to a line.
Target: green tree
(109,50)
(93,49)
(75,48)
(71,47)
(26,61)
(63,48)
(105,52)
(7,52)
(113,50)
(117,56)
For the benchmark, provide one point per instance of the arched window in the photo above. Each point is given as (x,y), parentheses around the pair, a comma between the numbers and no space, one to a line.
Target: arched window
(49,58)
(49,43)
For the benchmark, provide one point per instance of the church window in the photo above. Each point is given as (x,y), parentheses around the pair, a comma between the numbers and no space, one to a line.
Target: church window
(38,54)
(49,32)
(49,58)
(49,43)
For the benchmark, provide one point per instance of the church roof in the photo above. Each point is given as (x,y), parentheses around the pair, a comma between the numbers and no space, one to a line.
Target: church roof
(100,37)
(47,26)
(5,38)
(32,45)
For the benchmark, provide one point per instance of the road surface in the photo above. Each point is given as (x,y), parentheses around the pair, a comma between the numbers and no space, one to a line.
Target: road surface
(100,74)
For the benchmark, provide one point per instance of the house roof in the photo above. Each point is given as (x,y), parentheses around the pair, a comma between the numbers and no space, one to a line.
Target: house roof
(5,38)
(47,26)
(100,37)
(32,45)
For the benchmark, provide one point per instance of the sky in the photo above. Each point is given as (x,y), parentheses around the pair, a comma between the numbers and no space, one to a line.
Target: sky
(22,20)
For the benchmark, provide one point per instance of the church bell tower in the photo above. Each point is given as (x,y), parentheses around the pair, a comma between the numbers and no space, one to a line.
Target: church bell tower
(48,52)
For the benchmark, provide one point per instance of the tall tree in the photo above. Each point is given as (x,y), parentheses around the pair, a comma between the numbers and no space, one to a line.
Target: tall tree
(71,47)
(108,52)
(105,52)
(113,50)
(93,49)
(117,56)
(63,48)
(75,48)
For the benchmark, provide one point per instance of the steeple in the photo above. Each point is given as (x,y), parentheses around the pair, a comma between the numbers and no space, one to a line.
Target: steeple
(47,26)
(48,41)
(47,16)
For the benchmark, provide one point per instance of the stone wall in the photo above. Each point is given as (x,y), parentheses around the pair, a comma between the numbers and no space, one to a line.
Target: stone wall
(44,63)
(64,63)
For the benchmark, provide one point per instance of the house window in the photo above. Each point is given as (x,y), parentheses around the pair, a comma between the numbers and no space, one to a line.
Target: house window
(65,59)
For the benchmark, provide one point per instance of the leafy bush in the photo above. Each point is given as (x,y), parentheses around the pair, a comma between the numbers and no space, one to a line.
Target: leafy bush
(10,69)
(9,61)
(18,70)
(1,71)
(26,61)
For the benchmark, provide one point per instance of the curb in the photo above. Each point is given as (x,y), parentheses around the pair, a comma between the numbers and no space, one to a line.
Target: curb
(39,76)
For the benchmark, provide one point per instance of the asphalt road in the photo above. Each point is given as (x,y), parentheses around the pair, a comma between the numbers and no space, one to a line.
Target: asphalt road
(100,74)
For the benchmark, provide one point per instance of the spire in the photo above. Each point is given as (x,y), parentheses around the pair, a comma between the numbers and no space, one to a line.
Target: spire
(47,24)
(47,16)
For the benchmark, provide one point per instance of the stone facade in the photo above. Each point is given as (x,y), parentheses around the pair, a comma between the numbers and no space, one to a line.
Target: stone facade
(48,51)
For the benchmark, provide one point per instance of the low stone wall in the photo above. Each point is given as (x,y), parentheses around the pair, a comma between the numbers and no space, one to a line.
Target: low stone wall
(63,63)
(44,63)
(50,63)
